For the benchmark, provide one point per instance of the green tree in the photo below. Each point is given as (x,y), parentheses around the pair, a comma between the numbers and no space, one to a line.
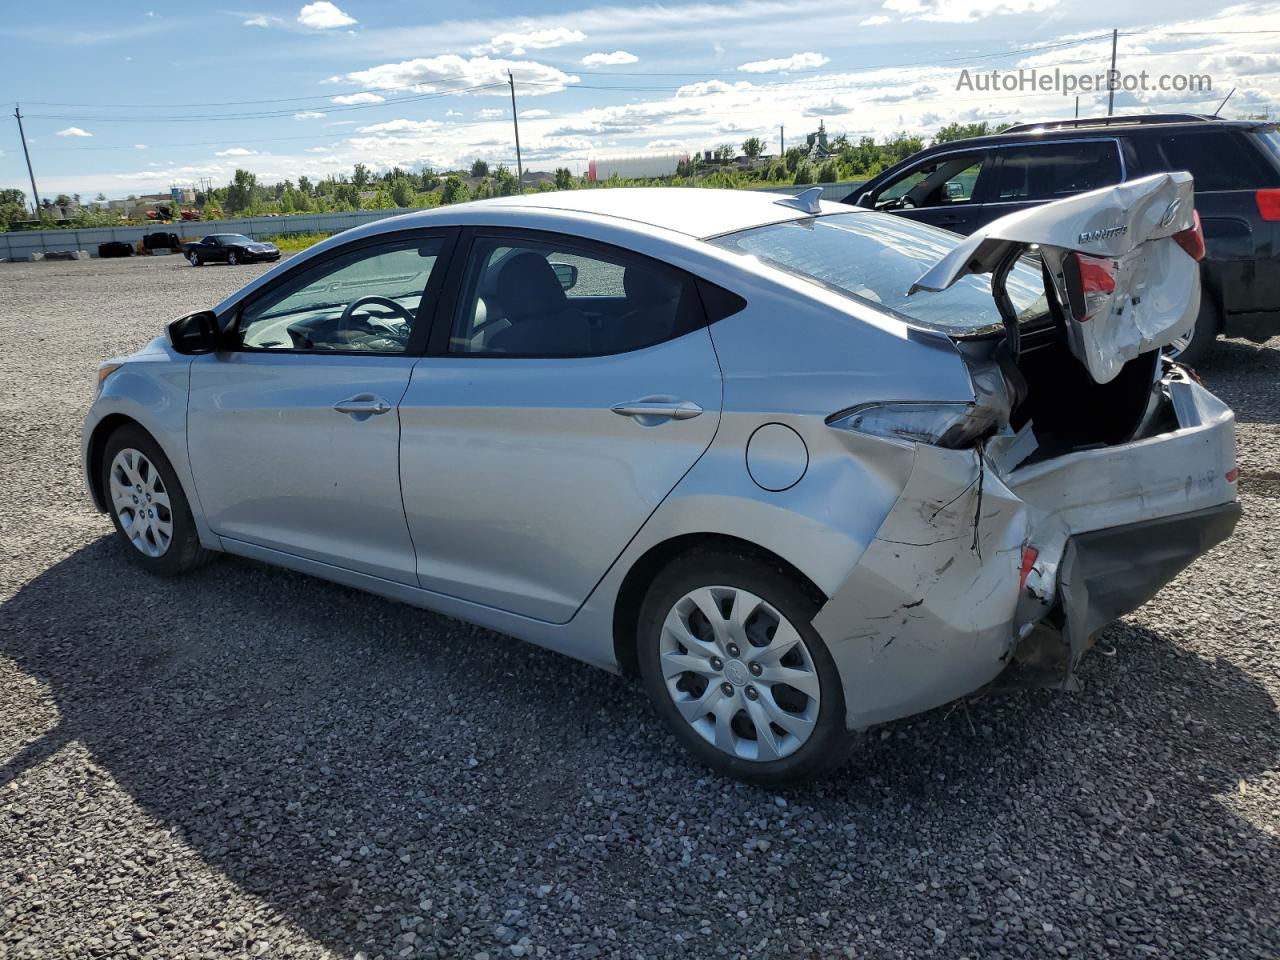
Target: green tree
(13,207)
(804,173)
(794,157)
(479,169)
(829,172)
(304,186)
(505,184)
(564,178)
(453,191)
(753,147)
(241,193)
(402,191)
(724,152)
(360,176)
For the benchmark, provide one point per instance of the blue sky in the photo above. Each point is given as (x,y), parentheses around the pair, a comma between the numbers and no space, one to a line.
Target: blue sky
(130,97)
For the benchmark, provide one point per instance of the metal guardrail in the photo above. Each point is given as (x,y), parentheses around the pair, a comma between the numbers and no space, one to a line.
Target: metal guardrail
(22,244)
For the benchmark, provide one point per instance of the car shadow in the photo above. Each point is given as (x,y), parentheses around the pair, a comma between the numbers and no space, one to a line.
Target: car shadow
(296,735)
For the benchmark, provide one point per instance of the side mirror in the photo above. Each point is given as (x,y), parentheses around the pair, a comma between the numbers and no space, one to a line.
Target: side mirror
(195,333)
(567,274)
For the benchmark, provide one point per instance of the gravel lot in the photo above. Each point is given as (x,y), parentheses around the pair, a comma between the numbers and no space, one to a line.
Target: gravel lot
(249,762)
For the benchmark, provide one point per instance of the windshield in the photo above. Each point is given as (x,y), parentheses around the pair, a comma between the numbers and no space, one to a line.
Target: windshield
(227,238)
(876,257)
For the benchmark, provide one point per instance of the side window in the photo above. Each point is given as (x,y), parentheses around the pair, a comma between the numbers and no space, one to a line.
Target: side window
(1217,160)
(948,180)
(367,300)
(551,299)
(1051,171)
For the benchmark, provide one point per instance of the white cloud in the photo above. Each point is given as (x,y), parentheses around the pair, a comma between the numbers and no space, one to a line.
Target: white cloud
(534,114)
(349,98)
(139,146)
(452,72)
(323,15)
(259,20)
(74,132)
(402,126)
(308,115)
(797,61)
(490,114)
(964,11)
(518,43)
(319,149)
(341,123)
(828,108)
(705,88)
(608,59)
(875,21)
(1243,64)
(453,113)
(235,152)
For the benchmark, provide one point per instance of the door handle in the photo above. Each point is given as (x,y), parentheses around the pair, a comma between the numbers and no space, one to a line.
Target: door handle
(658,408)
(363,405)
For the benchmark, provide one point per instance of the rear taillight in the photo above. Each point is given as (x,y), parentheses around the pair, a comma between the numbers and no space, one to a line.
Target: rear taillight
(1192,239)
(1268,204)
(1029,557)
(1097,278)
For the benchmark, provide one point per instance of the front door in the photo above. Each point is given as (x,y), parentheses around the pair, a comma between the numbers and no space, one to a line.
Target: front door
(293,432)
(574,388)
(945,191)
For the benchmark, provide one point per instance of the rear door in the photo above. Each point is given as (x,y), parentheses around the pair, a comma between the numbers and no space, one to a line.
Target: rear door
(1121,262)
(1030,174)
(554,412)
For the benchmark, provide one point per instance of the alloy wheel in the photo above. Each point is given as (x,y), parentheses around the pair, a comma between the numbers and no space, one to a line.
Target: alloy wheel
(232,259)
(141,502)
(195,259)
(1176,348)
(739,673)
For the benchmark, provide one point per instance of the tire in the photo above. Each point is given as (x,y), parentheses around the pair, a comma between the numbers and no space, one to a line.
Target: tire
(815,741)
(232,259)
(194,258)
(1195,348)
(143,465)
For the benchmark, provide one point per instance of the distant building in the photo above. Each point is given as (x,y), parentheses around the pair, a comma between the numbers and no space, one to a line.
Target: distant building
(636,167)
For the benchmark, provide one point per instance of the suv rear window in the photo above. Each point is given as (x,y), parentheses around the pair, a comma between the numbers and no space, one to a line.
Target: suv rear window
(875,257)
(1219,160)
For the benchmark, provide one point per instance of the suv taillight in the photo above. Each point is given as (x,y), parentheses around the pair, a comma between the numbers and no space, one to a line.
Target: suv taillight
(1192,239)
(1268,204)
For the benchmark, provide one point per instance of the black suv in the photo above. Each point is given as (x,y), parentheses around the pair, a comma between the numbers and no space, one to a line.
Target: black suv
(965,184)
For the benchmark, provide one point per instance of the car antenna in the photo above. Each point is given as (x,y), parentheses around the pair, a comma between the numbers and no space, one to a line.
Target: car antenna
(1224,102)
(806,200)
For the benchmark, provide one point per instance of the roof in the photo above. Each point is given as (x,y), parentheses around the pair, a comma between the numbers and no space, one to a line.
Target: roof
(693,211)
(1099,127)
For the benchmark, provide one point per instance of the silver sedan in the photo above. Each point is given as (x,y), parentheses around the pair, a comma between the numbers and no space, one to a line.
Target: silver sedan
(802,468)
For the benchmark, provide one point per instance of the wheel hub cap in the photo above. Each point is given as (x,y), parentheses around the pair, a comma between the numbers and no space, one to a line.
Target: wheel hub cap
(140,501)
(739,673)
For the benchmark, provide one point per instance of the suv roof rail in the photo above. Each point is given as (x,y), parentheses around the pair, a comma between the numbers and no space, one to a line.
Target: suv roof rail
(1108,121)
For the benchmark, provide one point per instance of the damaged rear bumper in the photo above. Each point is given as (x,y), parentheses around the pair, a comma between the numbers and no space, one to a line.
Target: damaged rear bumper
(939,602)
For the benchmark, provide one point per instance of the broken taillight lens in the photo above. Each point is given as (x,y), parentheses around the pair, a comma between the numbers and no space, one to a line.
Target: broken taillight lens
(1095,282)
(1029,557)
(1268,204)
(951,425)
(1192,239)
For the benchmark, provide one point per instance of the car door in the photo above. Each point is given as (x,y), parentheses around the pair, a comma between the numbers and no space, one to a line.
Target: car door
(946,190)
(1030,174)
(546,424)
(212,250)
(293,433)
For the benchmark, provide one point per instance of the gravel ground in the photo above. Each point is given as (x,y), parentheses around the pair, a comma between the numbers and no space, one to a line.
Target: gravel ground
(249,762)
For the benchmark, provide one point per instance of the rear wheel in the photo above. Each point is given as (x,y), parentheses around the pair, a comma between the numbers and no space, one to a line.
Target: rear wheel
(735,669)
(1193,348)
(233,258)
(194,258)
(148,507)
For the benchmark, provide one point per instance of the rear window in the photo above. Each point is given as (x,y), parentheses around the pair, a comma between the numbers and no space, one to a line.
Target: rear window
(1219,160)
(1270,140)
(875,258)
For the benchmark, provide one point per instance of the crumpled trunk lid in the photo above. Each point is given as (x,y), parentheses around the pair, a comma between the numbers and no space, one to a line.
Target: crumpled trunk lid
(1114,267)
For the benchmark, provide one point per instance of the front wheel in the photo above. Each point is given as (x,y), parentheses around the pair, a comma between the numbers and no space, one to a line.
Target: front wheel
(193,258)
(232,258)
(733,666)
(148,507)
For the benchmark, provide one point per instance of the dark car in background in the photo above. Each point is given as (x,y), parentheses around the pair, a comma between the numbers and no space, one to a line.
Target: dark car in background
(965,184)
(232,248)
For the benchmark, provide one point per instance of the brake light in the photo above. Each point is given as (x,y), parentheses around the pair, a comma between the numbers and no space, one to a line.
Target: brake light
(1192,239)
(1268,204)
(1233,475)
(1029,557)
(1097,283)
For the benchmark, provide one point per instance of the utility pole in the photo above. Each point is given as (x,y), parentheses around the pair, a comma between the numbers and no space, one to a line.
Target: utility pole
(35,194)
(1111,77)
(782,142)
(1077,106)
(516,123)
